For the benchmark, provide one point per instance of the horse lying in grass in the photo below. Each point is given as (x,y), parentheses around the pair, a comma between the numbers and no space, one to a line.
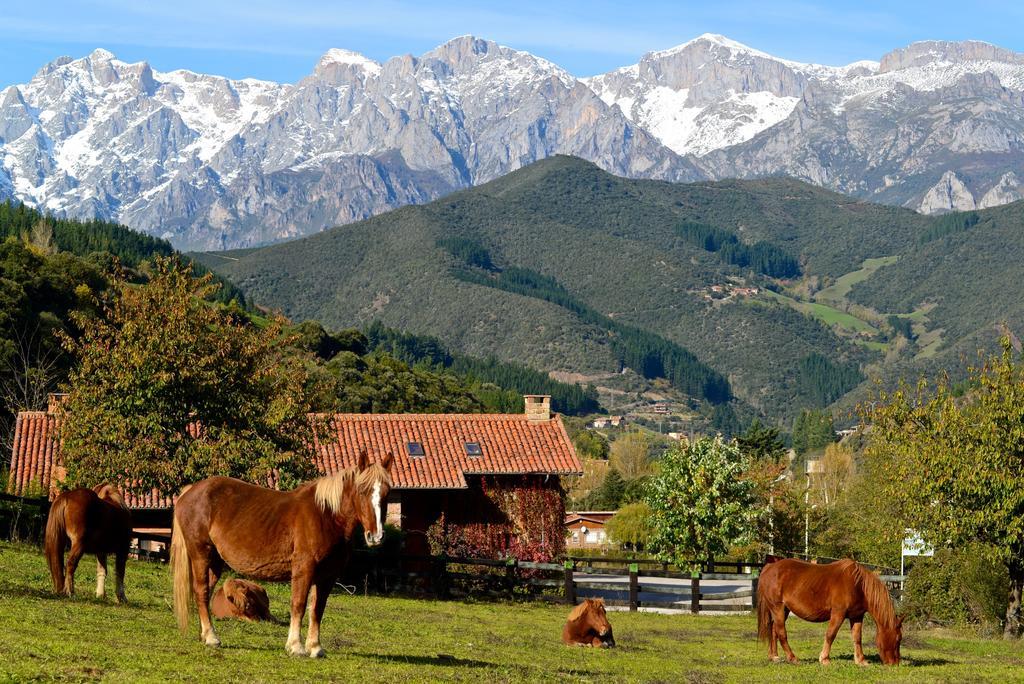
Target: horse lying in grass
(833,592)
(588,626)
(303,535)
(242,600)
(90,521)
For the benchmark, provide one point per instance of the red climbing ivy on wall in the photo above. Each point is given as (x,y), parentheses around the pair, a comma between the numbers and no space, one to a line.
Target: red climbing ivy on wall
(521,518)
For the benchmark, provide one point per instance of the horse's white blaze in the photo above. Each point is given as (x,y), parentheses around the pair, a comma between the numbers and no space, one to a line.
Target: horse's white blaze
(375,500)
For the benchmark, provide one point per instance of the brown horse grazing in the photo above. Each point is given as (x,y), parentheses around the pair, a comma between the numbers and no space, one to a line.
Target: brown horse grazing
(588,626)
(242,600)
(91,521)
(303,535)
(832,592)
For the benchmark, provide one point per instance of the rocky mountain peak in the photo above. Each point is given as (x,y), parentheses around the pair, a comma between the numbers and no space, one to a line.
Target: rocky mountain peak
(928,52)
(338,66)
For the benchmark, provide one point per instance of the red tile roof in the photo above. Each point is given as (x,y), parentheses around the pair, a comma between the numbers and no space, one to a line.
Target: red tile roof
(511,444)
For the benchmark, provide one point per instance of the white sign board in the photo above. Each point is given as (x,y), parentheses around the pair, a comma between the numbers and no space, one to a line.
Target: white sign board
(913,545)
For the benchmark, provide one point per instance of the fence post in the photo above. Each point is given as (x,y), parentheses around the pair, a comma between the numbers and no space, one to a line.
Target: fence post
(441,576)
(753,589)
(510,576)
(570,585)
(634,586)
(695,593)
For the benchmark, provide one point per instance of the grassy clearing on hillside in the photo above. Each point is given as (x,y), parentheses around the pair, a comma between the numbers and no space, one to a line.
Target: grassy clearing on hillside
(371,639)
(837,292)
(826,314)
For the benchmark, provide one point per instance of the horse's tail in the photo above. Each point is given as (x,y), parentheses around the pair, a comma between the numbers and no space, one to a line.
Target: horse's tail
(56,542)
(181,567)
(764,614)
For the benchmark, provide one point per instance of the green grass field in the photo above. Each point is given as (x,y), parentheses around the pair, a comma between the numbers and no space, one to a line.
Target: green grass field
(370,639)
(837,291)
(826,314)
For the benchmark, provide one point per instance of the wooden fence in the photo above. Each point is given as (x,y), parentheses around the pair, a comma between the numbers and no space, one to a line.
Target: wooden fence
(566,582)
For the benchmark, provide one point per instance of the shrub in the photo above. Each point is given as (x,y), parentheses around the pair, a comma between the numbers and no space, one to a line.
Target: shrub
(957,587)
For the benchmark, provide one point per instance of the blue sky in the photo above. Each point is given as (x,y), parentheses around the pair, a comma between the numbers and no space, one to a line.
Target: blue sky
(281,39)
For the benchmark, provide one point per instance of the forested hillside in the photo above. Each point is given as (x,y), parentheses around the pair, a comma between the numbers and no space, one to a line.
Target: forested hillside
(563,267)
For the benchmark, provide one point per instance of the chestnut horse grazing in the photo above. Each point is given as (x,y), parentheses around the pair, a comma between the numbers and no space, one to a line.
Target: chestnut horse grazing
(90,521)
(242,600)
(303,535)
(588,626)
(831,593)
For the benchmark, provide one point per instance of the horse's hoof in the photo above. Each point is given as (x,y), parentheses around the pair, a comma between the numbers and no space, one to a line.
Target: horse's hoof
(316,652)
(775,659)
(793,661)
(122,599)
(212,642)
(295,650)
(824,661)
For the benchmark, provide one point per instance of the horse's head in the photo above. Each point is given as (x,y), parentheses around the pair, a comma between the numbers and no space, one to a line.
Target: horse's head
(592,619)
(373,482)
(109,493)
(888,641)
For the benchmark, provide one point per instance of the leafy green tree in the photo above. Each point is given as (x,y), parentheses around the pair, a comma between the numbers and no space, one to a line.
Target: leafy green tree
(761,442)
(956,465)
(701,503)
(170,389)
(590,444)
(635,490)
(631,526)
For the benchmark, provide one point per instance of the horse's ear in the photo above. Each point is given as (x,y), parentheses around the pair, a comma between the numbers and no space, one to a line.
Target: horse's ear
(387,461)
(363,462)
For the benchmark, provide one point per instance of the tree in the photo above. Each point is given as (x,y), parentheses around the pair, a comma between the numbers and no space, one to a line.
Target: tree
(629,455)
(836,474)
(701,505)
(761,442)
(170,389)
(955,466)
(590,444)
(631,526)
(41,237)
(812,430)
(608,496)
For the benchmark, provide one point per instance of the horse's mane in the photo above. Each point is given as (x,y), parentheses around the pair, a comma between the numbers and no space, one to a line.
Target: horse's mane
(110,493)
(581,610)
(330,490)
(876,596)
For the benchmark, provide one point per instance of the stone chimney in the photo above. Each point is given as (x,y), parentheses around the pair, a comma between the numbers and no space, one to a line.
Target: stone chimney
(54,400)
(538,406)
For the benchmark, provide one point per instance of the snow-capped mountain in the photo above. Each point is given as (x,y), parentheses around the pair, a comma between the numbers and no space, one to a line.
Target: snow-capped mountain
(934,126)
(211,162)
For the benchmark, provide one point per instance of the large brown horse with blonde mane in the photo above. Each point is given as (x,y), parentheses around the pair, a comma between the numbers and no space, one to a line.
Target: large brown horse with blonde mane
(90,521)
(303,535)
(831,593)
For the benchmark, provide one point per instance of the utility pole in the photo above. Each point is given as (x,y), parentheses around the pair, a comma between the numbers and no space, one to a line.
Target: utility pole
(807,518)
